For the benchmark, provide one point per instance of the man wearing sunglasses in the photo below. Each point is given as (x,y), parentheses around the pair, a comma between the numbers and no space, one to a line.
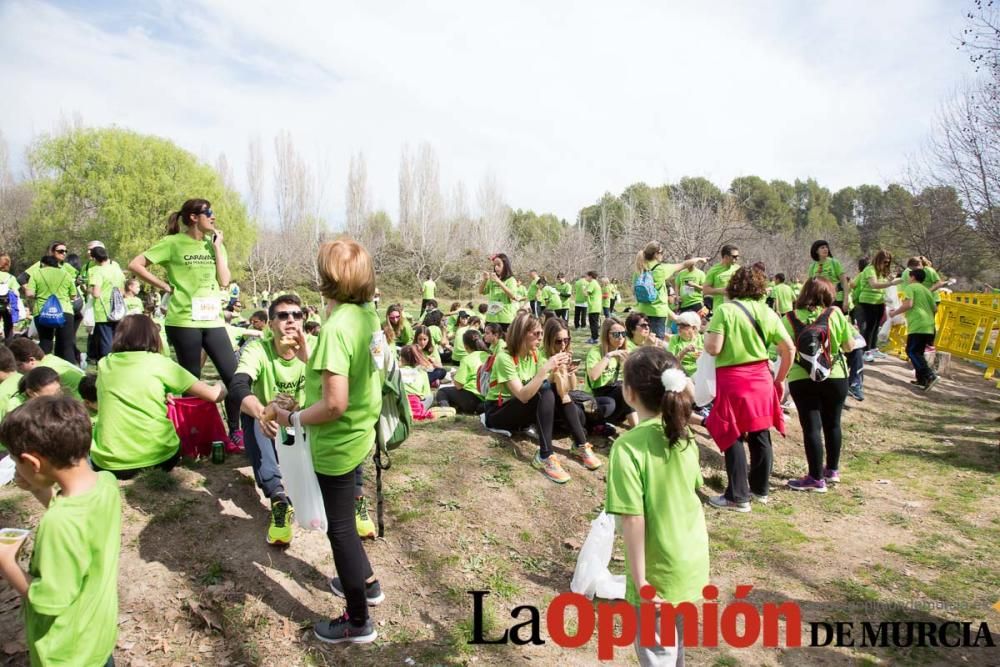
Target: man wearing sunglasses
(58,250)
(274,364)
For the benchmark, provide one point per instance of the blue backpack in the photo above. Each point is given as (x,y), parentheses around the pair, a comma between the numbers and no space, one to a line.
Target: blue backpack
(644,288)
(51,314)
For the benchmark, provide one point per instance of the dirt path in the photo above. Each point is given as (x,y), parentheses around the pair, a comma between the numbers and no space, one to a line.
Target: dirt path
(914,524)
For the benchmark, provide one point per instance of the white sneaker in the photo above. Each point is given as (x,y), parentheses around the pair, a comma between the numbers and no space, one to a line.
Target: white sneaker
(763,500)
(879,354)
(869,357)
(725,504)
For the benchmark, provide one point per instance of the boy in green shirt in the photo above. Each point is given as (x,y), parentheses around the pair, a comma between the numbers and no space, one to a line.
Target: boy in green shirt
(580,302)
(782,294)
(70,590)
(427,295)
(917,303)
(592,291)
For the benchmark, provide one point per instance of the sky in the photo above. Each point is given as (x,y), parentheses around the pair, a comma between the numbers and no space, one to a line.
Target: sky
(560,101)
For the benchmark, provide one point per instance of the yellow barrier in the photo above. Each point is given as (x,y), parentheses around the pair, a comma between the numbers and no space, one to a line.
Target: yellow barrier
(970,330)
(980,299)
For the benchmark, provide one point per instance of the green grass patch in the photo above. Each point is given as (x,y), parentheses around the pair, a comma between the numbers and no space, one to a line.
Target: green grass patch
(213,574)
(499,473)
(408,515)
(159,480)
(179,510)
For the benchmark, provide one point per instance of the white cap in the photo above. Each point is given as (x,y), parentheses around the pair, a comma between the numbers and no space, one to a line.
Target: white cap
(94,244)
(689,318)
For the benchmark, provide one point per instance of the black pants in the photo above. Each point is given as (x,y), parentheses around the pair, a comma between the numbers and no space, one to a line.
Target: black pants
(188,343)
(8,324)
(614,393)
(869,318)
(571,417)
(536,308)
(693,308)
(613,302)
(562,313)
(594,319)
(166,466)
(743,481)
(104,333)
(579,317)
(819,405)
(349,556)
(513,415)
(436,375)
(64,346)
(462,400)
(423,307)
(916,346)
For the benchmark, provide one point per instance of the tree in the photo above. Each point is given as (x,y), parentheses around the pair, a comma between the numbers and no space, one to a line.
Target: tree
(761,204)
(120,187)
(15,206)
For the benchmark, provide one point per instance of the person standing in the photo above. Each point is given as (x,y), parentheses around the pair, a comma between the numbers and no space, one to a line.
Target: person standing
(871,284)
(343,403)
(688,283)
(650,258)
(51,280)
(427,295)
(534,302)
(594,305)
(103,277)
(826,265)
(197,264)
(499,286)
(718,276)
(580,302)
(917,303)
(783,295)
(8,284)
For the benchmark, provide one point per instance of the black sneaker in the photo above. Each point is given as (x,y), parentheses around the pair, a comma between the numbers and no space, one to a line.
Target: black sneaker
(341,630)
(373,591)
(933,380)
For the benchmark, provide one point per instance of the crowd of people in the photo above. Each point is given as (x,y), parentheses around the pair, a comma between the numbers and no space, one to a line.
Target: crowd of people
(507,358)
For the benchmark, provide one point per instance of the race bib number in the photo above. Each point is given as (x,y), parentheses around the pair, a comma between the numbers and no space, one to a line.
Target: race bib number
(494,308)
(686,290)
(377,347)
(204,309)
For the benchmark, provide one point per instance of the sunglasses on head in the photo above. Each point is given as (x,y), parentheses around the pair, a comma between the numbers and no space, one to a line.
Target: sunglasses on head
(618,334)
(285,315)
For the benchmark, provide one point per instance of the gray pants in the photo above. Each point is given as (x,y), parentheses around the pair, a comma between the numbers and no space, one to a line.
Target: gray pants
(661,656)
(263,458)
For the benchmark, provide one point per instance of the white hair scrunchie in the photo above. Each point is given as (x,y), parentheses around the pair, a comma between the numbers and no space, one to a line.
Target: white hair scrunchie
(674,380)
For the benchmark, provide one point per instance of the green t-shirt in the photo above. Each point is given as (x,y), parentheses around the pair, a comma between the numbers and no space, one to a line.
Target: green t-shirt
(427,289)
(606,296)
(436,335)
(506,368)
(661,306)
(8,390)
(345,348)
(551,298)
(533,289)
(190,265)
(105,276)
(458,346)
(647,477)
(784,298)
(405,336)
(742,344)
(48,280)
(919,318)
(71,615)
(8,283)
(593,292)
(931,277)
(272,375)
(565,290)
(688,295)
(610,374)
(865,292)
(164,343)
(840,333)
(133,305)
(467,370)
(415,381)
(718,276)
(132,389)
(580,291)
(501,308)
(832,270)
(69,374)
(690,362)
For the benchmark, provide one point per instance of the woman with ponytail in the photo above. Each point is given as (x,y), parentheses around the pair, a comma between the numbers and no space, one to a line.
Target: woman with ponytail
(650,258)
(653,475)
(197,265)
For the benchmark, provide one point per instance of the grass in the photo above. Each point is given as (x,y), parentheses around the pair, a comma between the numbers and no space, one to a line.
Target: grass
(213,574)
(176,512)
(159,480)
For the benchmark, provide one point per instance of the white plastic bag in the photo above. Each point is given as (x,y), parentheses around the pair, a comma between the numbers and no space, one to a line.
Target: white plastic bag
(592,576)
(88,314)
(299,479)
(6,471)
(704,380)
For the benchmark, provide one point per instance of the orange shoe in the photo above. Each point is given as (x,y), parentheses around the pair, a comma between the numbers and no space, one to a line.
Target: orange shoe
(585,453)
(551,468)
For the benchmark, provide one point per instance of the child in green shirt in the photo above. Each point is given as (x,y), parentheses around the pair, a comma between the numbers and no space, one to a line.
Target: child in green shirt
(70,590)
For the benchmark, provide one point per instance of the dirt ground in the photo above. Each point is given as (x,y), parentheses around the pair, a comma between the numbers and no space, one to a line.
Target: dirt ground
(912,533)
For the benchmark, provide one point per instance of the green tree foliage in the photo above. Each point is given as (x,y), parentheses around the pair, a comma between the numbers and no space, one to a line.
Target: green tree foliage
(698,189)
(120,187)
(531,229)
(761,204)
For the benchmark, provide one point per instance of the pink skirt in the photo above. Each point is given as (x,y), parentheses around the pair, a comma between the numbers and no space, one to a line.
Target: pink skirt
(745,401)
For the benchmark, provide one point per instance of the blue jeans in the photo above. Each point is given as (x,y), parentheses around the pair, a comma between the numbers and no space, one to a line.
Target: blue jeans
(657,325)
(263,458)
(856,365)
(916,345)
(104,332)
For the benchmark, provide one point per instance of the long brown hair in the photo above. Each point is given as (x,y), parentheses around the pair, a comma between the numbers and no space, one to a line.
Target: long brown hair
(643,375)
(190,207)
(553,327)
(517,333)
(606,333)
(647,254)
(882,263)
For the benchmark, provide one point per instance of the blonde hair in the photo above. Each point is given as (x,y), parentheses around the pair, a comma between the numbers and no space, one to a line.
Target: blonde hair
(517,333)
(647,254)
(346,272)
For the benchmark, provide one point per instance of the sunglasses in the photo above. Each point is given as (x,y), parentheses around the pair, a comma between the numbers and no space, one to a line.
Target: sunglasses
(562,341)
(618,334)
(536,333)
(643,325)
(735,256)
(208,212)
(61,251)
(285,315)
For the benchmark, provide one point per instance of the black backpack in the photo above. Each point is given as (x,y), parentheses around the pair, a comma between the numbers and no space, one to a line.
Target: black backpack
(812,345)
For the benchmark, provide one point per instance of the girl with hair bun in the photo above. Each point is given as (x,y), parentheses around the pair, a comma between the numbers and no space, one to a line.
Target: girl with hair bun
(653,475)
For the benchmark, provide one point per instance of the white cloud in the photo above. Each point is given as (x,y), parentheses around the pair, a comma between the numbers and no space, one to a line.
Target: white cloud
(562,100)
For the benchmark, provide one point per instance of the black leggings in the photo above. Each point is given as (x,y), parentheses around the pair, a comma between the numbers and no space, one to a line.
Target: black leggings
(64,346)
(188,343)
(8,324)
(462,400)
(571,417)
(869,319)
(742,479)
(349,557)
(512,415)
(594,319)
(614,392)
(819,405)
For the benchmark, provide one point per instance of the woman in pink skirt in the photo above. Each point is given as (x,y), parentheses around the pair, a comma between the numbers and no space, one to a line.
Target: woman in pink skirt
(748,397)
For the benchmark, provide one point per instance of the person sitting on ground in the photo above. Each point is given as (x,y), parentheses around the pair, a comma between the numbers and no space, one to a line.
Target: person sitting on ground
(422,339)
(70,591)
(917,302)
(133,431)
(603,367)
(451,320)
(439,337)
(9,379)
(418,390)
(269,367)
(688,344)
(464,396)
(40,381)
(28,354)
(461,326)
(397,328)
(517,398)
(639,333)
(133,303)
(494,337)
(653,478)
(258,321)
(311,328)
(88,394)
